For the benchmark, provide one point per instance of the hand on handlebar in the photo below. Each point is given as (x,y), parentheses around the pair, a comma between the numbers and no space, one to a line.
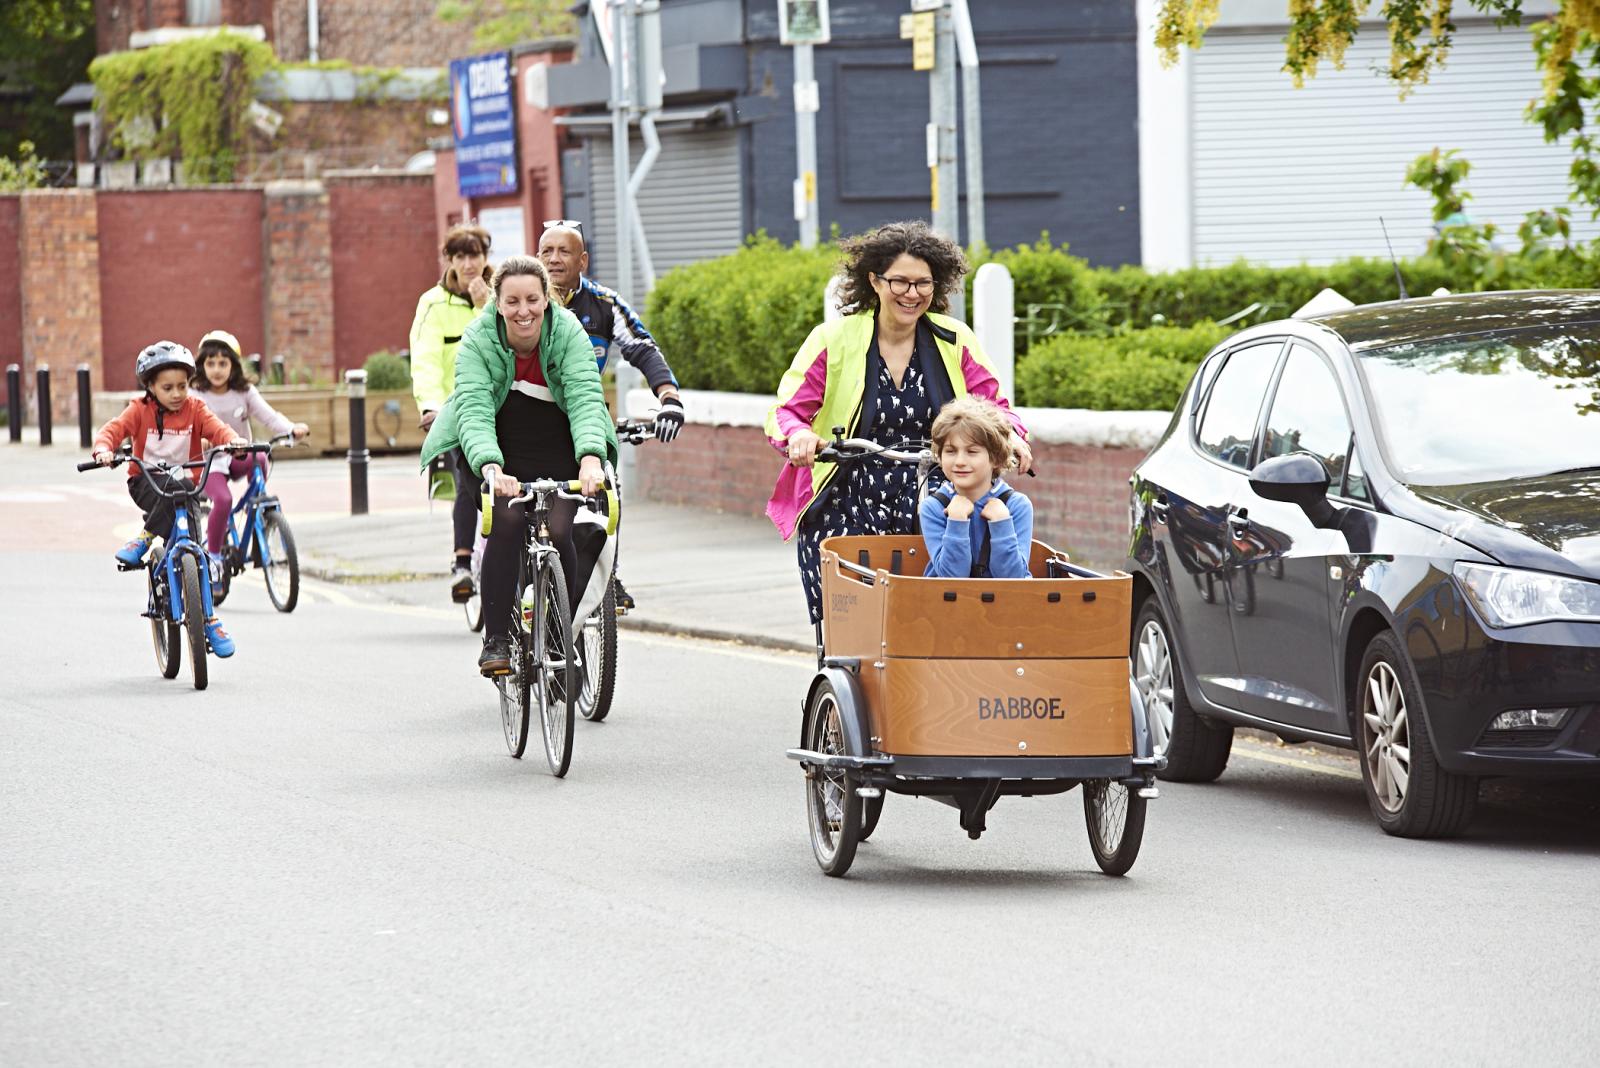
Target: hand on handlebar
(1023,453)
(500,484)
(103,457)
(592,475)
(802,448)
(300,431)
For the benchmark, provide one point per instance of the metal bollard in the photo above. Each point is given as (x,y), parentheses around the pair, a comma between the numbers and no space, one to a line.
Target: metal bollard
(14,400)
(85,408)
(255,365)
(356,380)
(42,376)
(277,370)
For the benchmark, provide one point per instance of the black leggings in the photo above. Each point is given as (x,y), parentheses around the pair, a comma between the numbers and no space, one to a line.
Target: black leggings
(464,514)
(500,556)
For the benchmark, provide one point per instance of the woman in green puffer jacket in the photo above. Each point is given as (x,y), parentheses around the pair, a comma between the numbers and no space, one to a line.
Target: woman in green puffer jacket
(527,405)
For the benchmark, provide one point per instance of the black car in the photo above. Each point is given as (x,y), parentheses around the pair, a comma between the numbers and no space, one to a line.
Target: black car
(1379,528)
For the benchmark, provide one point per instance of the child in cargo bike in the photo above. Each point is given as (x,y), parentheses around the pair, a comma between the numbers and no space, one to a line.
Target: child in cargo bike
(971,442)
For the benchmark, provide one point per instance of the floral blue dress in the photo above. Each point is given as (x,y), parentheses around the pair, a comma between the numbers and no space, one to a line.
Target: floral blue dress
(870,496)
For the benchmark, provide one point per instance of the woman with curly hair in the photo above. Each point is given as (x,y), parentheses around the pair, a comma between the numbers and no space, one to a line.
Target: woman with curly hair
(882,372)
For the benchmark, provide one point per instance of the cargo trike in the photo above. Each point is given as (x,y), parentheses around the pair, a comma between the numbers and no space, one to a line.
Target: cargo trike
(969,690)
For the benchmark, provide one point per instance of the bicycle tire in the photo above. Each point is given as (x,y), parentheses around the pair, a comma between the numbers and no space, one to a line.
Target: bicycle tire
(599,682)
(194,619)
(515,700)
(165,635)
(281,569)
(553,675)
(1115,831)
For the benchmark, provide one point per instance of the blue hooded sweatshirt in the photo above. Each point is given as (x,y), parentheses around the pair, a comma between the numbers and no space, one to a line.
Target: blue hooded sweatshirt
(955,545)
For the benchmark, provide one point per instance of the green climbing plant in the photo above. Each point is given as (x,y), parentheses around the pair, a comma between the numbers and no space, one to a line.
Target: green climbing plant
(188,98)
(26,171)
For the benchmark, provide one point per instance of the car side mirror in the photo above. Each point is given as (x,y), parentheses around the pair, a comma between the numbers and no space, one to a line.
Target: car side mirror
(1298,479)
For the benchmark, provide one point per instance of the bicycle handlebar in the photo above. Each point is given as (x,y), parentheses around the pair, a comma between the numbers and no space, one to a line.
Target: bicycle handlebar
(635,431)
(122,456)
(843,450)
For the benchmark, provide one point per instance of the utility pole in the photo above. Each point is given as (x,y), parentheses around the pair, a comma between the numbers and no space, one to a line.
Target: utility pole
(805,138)
(946,179)
(971,122)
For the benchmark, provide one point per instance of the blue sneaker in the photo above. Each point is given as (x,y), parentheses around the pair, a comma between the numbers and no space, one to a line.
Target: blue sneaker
(132,554)
(221,644)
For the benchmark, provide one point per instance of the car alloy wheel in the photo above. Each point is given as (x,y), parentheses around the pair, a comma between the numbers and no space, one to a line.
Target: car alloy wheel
(1152,673)
(1387,736)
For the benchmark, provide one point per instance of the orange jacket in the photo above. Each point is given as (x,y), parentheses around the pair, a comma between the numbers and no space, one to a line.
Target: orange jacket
(176,439)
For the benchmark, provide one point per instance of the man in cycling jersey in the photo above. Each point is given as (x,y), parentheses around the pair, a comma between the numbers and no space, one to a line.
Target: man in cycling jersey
(608,320)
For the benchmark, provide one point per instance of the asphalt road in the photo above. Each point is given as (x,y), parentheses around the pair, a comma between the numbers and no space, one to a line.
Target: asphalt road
(328,858)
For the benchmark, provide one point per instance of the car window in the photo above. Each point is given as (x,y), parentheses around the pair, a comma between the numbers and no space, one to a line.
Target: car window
(1307,415)
(1228,427)
(1355,478)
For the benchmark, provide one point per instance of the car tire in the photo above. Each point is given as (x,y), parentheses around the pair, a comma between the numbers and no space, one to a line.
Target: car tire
(1197,749)
(1409,793)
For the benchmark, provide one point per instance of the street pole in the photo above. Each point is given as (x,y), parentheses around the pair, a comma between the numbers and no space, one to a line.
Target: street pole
(42,380)
(620,167)
(806,103)
(358,455)
(14,400)
(971,123)
(946,179)
(85,408)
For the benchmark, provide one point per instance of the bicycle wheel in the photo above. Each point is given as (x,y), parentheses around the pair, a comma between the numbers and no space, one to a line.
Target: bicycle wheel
(194,619)
(833,808)
(278,561)
(554,677)
(597,659)
(515,699)
(1115,817)
(166,635)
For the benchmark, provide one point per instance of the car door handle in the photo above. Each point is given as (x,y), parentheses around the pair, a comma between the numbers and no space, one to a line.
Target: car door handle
(1239,522)
(1159,509)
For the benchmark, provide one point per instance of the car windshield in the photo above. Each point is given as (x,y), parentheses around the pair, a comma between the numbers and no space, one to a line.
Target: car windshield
(1489,407)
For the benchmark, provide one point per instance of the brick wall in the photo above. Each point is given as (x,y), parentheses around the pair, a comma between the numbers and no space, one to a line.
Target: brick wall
(175,264)
(1080,495)
(379,33)
(330,135)
(299,277)
(10,286)
(384,255)
(61,320)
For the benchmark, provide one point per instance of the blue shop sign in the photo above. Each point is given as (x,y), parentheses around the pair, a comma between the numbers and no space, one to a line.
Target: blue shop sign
(485,125)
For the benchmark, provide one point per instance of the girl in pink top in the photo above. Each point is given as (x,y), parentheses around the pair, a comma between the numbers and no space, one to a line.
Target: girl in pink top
(219,380)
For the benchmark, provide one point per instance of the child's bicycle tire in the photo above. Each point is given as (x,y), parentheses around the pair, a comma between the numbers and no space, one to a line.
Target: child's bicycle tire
(279,563)
(194,619)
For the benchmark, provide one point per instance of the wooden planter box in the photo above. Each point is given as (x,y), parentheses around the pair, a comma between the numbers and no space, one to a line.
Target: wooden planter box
(391,418)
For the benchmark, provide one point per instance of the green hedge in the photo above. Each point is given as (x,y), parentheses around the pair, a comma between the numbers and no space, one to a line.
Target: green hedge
(734,323)
(1131,370)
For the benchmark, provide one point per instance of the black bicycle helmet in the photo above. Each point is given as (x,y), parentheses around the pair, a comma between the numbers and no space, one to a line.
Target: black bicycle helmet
(162,354)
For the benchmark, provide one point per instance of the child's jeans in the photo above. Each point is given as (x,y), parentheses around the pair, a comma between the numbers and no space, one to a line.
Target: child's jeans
(158,510)
(217,488)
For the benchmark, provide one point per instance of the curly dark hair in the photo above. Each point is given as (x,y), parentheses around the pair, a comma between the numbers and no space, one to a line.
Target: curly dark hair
(238,379)
(873,252)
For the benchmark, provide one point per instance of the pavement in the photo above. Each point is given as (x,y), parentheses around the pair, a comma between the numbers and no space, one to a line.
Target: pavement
(697,573)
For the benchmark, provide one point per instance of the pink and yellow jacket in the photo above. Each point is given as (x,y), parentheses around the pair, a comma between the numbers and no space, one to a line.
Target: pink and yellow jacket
(826,386)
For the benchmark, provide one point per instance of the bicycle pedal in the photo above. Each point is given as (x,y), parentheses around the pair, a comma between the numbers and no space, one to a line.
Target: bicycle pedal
(140,566)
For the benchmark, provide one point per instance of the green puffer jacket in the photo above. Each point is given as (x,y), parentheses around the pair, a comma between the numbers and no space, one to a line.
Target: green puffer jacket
(485,366)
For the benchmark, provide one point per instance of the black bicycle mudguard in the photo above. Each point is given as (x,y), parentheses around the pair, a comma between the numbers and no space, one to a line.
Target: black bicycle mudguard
(853,718)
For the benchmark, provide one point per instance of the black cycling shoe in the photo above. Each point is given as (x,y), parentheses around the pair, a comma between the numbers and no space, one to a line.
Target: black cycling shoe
(624,598)
(495,660)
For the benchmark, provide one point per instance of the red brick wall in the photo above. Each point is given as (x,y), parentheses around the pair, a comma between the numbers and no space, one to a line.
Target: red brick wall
(299,278)
(175,264)
(379,33)
(61,320)
(10,286)
(1080,496)
(384,256)
(325,135)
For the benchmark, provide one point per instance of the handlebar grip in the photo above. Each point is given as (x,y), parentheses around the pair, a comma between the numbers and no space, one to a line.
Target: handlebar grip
(486,507)
(89,465)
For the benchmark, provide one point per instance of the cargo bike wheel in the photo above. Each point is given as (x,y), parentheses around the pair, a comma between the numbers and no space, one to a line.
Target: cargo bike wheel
(833,809)
(1114,813)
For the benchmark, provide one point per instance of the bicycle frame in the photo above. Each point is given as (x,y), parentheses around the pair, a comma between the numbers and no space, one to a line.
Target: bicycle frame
(182,543)
(246,523)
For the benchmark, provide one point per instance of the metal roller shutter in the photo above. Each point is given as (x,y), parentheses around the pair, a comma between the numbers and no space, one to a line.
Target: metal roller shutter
(690,202)
(1283,176)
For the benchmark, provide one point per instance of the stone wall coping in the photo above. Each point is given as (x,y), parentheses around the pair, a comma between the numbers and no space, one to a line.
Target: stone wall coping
(1057,426)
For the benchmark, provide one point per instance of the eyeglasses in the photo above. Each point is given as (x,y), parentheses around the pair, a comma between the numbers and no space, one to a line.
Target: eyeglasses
(564,224)
(901,286)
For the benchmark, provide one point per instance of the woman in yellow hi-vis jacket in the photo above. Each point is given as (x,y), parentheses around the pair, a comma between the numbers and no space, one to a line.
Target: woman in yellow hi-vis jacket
(443,313)
(882,371)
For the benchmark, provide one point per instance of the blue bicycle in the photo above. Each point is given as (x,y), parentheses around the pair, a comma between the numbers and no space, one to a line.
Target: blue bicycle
(259,535)
(180,599)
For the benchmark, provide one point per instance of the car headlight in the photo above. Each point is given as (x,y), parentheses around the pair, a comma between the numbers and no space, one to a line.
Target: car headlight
(1507,597)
